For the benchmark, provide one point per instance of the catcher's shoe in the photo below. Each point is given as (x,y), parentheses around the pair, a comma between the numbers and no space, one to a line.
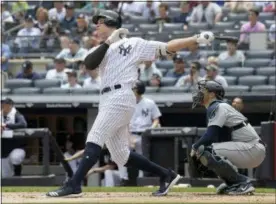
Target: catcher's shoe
(243,189)
(66,191)
(164,188)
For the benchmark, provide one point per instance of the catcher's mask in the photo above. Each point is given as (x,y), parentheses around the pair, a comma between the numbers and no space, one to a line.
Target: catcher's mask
(206,85)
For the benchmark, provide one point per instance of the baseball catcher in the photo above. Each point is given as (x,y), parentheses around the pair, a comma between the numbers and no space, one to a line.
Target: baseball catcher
(230,142)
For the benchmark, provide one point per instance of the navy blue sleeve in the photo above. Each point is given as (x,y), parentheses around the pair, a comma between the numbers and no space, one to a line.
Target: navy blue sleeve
(20,122)
(210,136)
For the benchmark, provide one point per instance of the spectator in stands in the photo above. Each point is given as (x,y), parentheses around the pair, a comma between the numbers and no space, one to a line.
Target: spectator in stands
(163,14)
(183,17)
(58,11)
(147,69)
(191,79)
(6,16)
(206,12)
(213,74)
(64,42)
(212,60)
(13,152)
(267,6)
(93,81)
(74,53)
(83,72)
(237,103)
(272,33)
(82,29)
(19,6)
(72,81)
(150,9)
(28,38)
(252,26)
(130,7)
(5,54)
(232,53)
(239,6)
(59,72)
(91,40)
(93,4)
(194,54)
(69,20)
(179,68)
(27,72)
(42,18)
(155,80)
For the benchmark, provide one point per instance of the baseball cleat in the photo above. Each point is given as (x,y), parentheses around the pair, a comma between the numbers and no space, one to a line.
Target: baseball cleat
(171,180)
(243,189)
(65,191)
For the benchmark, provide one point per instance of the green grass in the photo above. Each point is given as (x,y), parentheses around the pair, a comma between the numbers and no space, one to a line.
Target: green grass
(120,189)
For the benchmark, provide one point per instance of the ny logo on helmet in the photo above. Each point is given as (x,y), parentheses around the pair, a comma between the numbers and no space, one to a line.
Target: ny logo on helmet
(125,50)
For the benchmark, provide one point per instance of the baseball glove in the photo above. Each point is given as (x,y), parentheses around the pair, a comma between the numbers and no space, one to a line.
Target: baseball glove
(195,168)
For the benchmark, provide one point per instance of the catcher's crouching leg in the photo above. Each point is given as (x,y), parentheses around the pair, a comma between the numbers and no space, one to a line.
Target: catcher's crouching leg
(223,168)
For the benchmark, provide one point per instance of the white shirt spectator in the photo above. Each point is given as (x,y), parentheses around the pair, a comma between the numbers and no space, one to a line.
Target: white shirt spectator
(66,54)
(146,10)
(131,8)
(68,86)
(60,15)
(53,74)
(28,37)
(185,81)
(146,73)
(238,56)
(92,83)
(6,17)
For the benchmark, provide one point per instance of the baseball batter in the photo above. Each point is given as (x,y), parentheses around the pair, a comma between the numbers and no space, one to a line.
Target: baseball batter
(118,58)
(230,142)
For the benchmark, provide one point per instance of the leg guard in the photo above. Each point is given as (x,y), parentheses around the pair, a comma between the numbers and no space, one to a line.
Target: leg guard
(221,166)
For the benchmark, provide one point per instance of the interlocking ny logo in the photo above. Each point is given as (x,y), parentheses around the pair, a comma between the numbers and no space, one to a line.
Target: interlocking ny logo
(124,51)
(145,113)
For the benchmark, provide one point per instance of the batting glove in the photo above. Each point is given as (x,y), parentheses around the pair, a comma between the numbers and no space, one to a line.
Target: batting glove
(205,37)
(117,35)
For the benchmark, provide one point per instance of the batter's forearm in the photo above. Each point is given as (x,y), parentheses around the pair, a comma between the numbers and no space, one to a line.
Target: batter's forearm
(179,44)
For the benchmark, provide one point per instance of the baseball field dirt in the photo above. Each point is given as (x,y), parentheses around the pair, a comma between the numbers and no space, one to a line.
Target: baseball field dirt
(135,195)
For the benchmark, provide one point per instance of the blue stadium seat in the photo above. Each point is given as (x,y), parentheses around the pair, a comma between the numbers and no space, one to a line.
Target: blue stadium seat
(169,27)
(84,91)
(162,37)
(130,27)
(136,20)
(263,16)
(266,71)
(18,83)
(144,28)
(151,89)
(259,54)
(211,53)
(198,26)
(56,91)
(174,11)
(237,88)
(231,80)
(163,70)
(5,91)
(236,17)
(263,88)
(168,81)
(221,26)
(240,71)
(181,34)
(135,34)
(229,63)
(47,83)
(272,80)
(167,64)
(268,23)
(173,89)
(26,91)
(257,63)
(252,80)
(232,32)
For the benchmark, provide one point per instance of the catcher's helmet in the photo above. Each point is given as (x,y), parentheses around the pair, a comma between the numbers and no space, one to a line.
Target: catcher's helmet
(140,87)
(112,18)
(210,86)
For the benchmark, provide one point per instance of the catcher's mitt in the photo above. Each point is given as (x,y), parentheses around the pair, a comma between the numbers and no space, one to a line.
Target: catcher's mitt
(195,168)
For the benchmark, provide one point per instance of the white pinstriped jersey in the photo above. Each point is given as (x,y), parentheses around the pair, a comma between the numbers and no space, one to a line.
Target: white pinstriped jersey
(120,64)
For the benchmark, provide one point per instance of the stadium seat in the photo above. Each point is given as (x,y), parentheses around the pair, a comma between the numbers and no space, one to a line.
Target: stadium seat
(233,33)
(26,91)
(266,71)
(168,81)
(136,20)
(263,88)
(162,37)
(47,83)
(257,63)
(258,54)
(236,17)
(237,88)
(181,34)
(18,83)
(135,34)
(169,27)
(210,53)
(43,75)
(56,91)
(173,3)
(268,23)
(229,63)
(152,89)
(252,80)
(173,89)
(167,64)
(84,91)
(221,26)
(263,16)
(240,71)
(272,80)
(198,26)
(5,91)
(144,28)
(231,80)
(174,11)
(163,70)
(130,27)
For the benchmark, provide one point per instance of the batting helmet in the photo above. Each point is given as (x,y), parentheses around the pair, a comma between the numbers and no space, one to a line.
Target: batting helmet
(111,18)
(140,87)
(210,86)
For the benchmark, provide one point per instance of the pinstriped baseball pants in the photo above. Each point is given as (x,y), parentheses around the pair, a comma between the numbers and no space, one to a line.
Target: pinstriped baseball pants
(111,126)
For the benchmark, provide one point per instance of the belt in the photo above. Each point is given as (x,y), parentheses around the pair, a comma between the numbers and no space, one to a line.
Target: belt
(136,133)
(109,88)
(239,126)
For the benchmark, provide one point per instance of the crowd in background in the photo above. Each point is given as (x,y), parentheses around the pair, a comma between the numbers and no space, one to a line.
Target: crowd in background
(65,28)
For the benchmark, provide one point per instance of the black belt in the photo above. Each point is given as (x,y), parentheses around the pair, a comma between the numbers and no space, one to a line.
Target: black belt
(108,89)
(136,133)
(241,125)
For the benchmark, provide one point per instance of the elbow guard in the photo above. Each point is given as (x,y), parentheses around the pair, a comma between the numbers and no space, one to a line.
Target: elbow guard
(162,50)
(94,59)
